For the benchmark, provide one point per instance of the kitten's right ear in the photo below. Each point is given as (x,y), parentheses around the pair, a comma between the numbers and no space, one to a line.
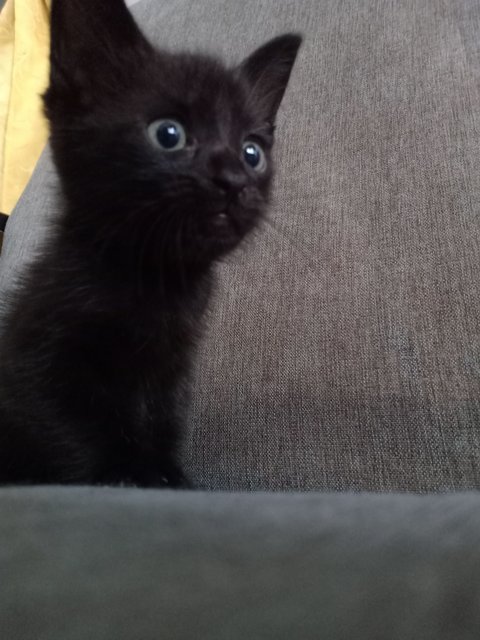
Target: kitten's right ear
(267,71)
(93,43)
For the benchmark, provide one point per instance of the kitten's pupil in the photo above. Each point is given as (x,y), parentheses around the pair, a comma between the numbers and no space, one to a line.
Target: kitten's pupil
(168,135)
(254,156)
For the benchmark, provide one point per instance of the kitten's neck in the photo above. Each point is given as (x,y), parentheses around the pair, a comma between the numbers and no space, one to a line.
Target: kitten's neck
(122,259)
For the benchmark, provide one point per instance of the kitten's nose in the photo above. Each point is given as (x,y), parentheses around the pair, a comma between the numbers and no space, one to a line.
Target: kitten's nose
(227,173)
(230,181)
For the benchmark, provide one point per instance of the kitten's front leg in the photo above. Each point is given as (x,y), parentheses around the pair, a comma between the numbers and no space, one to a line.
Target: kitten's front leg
(145,471)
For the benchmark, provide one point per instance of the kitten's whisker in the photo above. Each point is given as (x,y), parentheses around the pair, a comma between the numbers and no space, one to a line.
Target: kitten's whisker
(267,220)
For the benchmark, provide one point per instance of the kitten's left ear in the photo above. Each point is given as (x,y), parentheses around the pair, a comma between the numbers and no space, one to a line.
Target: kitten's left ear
(96,47)
(267,71)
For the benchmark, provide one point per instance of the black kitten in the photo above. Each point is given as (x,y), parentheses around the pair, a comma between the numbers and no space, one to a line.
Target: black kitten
(164,161)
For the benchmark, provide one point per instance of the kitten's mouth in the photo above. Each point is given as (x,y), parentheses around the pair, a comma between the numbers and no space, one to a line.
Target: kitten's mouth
(224,225)
(223,221)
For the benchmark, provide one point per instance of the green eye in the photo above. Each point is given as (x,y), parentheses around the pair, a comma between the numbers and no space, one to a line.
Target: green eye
(169,135)
(254,156)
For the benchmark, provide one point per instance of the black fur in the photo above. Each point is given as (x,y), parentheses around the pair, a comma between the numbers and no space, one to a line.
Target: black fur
(98,338)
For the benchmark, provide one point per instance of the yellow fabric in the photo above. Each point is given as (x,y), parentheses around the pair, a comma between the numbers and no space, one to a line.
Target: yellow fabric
(24,49)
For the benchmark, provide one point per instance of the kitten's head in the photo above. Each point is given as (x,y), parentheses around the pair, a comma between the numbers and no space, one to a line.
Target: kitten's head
(166,153)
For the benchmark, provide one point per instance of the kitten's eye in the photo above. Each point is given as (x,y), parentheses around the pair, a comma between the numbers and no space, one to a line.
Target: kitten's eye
(169,135)
(254,155)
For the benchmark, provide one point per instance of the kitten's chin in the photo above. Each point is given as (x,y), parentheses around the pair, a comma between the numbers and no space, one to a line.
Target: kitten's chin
(224,231)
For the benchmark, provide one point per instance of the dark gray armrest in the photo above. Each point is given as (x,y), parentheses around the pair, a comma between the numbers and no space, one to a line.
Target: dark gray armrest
(145,565)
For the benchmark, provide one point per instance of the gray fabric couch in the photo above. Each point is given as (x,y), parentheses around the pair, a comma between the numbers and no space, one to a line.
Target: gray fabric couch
(342,356)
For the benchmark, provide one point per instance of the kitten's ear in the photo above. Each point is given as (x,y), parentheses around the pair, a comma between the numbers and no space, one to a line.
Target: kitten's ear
(93,43)
(267,71)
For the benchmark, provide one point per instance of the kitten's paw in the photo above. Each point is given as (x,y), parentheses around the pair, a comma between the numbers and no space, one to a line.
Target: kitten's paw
(174,479)
(166,477)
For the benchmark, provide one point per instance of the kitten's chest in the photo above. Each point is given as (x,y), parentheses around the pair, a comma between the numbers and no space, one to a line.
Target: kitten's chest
(137,359)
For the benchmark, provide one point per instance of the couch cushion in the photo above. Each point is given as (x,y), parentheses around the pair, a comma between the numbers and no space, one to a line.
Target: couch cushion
(343,347)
